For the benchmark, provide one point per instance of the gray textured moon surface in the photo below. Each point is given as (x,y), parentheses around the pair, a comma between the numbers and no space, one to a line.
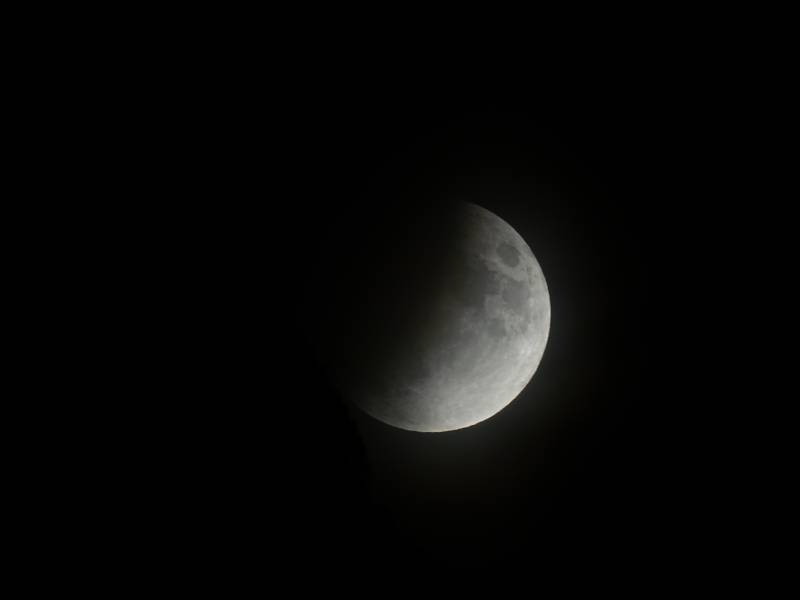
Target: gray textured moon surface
(446,325)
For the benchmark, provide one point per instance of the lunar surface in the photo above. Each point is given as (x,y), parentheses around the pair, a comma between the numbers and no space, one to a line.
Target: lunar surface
(477,333)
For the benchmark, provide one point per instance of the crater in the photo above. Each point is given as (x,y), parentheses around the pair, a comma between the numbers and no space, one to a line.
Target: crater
(508,254)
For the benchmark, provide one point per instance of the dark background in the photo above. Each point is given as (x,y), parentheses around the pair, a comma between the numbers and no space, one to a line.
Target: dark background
(271,465)
(225,164)
(214,168)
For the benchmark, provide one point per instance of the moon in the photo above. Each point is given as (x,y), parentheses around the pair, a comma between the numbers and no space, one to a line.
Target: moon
(467,340)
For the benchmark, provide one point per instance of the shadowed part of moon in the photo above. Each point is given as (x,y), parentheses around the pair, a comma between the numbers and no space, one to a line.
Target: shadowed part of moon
(450,325)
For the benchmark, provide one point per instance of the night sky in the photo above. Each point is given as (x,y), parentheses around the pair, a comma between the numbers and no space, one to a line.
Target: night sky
(279,465)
